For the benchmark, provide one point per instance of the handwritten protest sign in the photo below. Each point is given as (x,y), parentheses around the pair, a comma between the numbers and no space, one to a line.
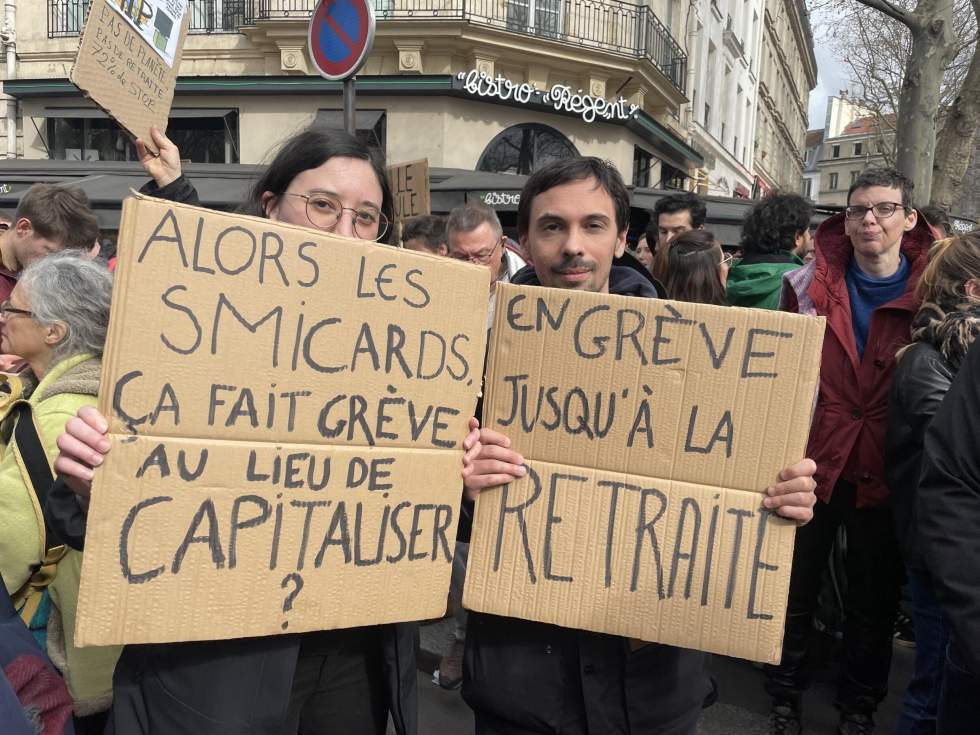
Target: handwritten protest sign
(410,189)
(651,430)
(128,60)
(286,410)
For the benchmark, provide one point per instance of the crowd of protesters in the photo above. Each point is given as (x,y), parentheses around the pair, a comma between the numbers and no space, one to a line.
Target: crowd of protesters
(891,460)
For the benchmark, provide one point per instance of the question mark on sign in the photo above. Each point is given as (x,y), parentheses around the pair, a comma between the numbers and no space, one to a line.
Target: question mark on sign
(287,604)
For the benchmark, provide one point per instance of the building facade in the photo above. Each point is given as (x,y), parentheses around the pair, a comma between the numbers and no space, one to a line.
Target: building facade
(724,38)
(599,77)
(810,182)
(860,143)
(788,73)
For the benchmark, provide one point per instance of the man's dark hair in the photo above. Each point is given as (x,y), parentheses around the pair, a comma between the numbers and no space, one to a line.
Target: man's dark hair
(771,226)
(938,218)
(567,170)
(61,214)
(651,233)
(429,228)
(684,201)
(883,176)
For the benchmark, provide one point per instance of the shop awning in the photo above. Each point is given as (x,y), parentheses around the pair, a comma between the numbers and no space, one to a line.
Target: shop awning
(363,119)
(96,113)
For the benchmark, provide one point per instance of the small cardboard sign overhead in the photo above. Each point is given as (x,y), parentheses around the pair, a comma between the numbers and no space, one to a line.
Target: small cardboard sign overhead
(410,188)
(286,408)
(128,60)
(651,430)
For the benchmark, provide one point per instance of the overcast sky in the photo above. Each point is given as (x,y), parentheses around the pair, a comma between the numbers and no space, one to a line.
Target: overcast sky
(831,76)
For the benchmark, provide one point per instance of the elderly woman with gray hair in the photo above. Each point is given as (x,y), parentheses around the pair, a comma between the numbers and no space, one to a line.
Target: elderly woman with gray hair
(56,320)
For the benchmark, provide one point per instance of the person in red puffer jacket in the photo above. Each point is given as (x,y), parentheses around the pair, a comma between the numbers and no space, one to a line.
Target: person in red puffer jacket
(863,280)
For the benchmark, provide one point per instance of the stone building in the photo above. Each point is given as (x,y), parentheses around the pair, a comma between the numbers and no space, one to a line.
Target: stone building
(439,84)
(788,73)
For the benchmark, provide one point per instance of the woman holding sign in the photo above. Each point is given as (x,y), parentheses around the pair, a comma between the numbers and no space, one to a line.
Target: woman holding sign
(56,320)
(339,681)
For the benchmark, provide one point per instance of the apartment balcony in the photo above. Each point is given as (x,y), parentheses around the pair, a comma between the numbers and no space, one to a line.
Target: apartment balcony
(732,42)
(613,26)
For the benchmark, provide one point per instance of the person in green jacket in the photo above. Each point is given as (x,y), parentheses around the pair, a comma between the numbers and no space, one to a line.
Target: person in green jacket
(56,320)
(775,229)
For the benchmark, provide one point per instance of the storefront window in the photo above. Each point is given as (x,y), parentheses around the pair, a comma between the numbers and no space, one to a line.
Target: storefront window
(521,149)
(642,163)
(672,177)
(200,139)
(371,124)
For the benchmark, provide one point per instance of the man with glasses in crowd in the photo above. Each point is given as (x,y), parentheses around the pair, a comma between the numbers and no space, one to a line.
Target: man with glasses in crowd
(473,233)
(863,280)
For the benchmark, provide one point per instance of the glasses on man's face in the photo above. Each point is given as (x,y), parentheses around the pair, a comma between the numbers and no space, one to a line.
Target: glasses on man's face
(6,309)
(881,210)
(324,212)
(481,258)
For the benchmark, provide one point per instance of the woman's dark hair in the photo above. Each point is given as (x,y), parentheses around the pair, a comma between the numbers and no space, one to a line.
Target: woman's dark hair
(312,148)
(771,226)
(693,269)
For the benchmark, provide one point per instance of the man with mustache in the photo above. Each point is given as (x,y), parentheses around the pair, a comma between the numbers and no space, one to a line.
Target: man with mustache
(523,677)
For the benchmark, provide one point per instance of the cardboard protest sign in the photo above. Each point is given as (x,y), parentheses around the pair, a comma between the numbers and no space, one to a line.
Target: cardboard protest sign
(286,410)
(128,60)
(651,430)
(410,188)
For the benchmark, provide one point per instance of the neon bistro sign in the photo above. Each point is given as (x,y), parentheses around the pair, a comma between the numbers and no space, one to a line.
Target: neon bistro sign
(500,198)
(560,97)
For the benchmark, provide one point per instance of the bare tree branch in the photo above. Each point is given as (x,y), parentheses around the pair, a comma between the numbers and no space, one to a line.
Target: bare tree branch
(892,11)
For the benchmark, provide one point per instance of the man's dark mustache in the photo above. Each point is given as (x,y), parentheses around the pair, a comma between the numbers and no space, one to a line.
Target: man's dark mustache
(573,264)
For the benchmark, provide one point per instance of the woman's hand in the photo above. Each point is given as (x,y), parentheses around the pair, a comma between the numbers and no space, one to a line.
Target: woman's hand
(488,460)
(163,168)
(83,447)
(793,496)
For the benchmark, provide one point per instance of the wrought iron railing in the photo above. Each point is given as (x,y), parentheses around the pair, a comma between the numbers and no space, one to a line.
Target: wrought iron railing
(67,17)
(615,26)
(612,25)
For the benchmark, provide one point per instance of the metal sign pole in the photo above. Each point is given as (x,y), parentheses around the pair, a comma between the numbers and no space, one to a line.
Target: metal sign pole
(350,105)
(355,40)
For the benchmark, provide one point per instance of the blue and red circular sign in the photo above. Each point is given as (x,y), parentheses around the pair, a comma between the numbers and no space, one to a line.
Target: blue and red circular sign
(340,37)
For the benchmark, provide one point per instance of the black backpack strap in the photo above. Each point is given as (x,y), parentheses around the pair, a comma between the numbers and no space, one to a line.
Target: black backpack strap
(35,460)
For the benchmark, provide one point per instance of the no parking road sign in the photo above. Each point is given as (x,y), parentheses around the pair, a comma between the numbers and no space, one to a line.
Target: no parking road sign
(340,37)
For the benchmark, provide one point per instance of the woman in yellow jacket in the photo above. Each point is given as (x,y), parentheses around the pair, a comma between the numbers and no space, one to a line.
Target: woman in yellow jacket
(56,320)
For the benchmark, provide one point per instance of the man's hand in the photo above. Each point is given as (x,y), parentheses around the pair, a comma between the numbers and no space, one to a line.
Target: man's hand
(82,447)
(793,496)
(163,168)
(488,460)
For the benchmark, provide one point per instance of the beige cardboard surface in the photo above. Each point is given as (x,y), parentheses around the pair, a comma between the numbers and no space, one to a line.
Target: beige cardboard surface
(285,408)
(651,430)
(124,74)
(410,188)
